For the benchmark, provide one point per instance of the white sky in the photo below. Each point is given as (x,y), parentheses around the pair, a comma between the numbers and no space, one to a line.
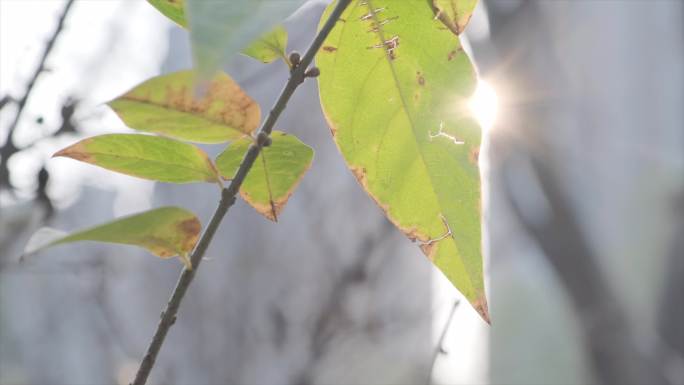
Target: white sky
(107,47)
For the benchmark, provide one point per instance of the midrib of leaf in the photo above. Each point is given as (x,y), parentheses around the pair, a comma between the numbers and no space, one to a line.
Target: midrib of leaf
(166,107)
(276,48)
(153,161)
(268,186)
(381,35)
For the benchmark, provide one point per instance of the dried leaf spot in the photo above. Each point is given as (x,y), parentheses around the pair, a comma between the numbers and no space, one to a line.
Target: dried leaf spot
(223,102)
(428,246)
(190,229)
(452,54)
(428,249)
(360,174)
(77,153)
(420,78)
(481,306)
(474,155)
(329,48)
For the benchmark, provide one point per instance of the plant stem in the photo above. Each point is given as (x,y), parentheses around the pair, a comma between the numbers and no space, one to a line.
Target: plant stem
(228,196)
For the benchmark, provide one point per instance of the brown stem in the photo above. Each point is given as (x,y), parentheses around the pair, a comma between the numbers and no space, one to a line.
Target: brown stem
(297,76)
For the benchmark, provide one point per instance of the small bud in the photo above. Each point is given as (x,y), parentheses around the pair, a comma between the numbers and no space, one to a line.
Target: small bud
(312,72)
(263,140)
(295,59)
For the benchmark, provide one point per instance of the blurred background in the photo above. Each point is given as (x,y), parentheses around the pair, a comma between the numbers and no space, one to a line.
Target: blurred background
(583,216)
(333,293)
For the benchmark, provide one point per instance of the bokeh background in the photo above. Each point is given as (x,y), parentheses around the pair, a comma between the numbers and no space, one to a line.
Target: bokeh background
(583,217)
(333,293)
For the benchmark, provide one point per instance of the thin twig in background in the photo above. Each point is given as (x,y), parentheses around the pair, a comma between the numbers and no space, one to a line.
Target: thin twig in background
(439,349)
(9,148)
(297,76)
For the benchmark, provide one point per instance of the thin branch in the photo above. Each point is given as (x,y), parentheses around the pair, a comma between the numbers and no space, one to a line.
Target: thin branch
(297,76)
(10,147)
(439,349)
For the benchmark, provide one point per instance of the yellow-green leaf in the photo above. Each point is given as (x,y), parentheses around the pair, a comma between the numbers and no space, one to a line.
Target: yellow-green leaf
(165,232)
(269,47)
(145,156)
(169,105)
(455,14)
(275,174)
(394,86)
(173,9)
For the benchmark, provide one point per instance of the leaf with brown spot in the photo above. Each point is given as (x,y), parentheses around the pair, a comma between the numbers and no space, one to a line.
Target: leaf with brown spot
(165,232)
(454,14)
(275,174)
(169,105)
(397,108)
(145,156)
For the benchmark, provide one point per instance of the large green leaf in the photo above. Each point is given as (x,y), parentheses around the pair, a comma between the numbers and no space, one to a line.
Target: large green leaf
(455,14)
(394,86)
(169,105)
(266,48)
(145,156)
(220,29)
(165,232)
(275,174)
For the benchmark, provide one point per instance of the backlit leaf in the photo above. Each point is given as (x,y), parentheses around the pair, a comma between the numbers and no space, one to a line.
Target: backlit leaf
(220,29)
(275,174)
(394,86)
(455,14)
(269,47)
(165,232)
(145,156)
(169,105)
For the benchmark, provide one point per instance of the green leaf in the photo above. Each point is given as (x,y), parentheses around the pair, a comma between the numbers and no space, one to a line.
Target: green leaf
(394,86)
(274,175)
(220,29)
(269,47)
(455,14)
(145,156)
(173,9)
(168,105)
(165,232)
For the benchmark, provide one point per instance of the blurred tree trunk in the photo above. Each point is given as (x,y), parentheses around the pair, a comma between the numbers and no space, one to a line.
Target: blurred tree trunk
(584,179)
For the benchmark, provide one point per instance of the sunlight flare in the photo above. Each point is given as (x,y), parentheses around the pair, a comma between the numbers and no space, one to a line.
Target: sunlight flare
(484,105)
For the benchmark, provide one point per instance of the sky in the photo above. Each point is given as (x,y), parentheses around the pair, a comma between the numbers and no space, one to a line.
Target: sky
(106,47)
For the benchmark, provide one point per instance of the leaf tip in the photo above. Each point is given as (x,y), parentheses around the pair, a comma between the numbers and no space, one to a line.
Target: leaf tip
(480,305)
